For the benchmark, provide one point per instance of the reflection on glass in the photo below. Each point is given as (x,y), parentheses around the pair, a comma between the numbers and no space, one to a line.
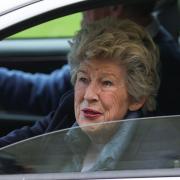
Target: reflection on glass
(147,143)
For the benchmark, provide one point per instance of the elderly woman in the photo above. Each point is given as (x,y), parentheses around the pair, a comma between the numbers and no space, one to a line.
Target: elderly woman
(114,72)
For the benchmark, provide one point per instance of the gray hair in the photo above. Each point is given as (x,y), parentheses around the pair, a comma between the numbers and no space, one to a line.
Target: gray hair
(126,43)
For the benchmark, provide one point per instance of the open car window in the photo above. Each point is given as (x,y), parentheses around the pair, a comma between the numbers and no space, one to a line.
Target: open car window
(138,145)
(58,28)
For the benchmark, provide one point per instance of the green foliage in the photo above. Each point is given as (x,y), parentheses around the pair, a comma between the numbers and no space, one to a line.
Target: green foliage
(61,27)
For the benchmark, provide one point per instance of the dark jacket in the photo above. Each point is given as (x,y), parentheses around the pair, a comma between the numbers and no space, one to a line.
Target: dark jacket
(142,144)
(168,98)
(40,93)
(54,121)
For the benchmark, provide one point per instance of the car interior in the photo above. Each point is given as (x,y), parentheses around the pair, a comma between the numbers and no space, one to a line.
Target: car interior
(32,55)
(45,54)
(20,50)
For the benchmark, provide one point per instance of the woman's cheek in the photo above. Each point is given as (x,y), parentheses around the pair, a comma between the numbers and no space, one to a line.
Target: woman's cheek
(114,106)
(107,103)
(79,96)
(108,100)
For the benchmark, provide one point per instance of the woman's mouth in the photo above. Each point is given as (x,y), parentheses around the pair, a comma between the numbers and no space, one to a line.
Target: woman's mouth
(90,113)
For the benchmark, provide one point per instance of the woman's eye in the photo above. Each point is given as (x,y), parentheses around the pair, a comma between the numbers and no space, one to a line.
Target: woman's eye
(83,79)
(107,83)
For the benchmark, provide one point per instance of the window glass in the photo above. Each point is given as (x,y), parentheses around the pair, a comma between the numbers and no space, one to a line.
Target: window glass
(61,27)
(137,144)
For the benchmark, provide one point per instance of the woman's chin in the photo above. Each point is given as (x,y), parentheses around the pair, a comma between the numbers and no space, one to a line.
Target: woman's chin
(99,132)
(88,121)
(92,129)
(91,126)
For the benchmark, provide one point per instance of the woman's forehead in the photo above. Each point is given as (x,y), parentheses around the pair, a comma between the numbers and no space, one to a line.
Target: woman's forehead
(103,66)
(99,62)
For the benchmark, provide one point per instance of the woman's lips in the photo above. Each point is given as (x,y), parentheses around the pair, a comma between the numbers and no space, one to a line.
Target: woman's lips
(90,113)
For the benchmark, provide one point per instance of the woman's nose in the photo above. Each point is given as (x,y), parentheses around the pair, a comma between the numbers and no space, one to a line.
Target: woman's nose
(91,93)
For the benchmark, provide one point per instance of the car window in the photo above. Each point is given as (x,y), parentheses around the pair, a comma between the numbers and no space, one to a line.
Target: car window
(137,144)
(152,148)
(61,27)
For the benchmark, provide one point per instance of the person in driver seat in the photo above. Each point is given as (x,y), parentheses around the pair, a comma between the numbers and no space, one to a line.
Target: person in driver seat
(114,70)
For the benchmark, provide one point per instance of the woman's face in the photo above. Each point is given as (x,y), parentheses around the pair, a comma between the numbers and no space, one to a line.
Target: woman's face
(100,93)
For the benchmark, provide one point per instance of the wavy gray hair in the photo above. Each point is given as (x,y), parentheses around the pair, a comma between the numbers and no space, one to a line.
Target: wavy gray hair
(127,43)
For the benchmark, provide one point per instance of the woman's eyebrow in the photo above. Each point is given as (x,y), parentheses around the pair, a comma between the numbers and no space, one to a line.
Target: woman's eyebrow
(109,74)
(82,71)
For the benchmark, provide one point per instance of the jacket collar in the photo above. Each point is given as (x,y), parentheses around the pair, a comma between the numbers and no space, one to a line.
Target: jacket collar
(78,142)
(115,148)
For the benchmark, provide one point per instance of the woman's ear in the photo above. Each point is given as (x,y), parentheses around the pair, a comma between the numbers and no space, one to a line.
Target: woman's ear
(134,106)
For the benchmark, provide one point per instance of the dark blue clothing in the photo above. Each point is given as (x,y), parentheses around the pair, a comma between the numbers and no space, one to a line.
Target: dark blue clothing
(39,93)
(33,93)
(62,118)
